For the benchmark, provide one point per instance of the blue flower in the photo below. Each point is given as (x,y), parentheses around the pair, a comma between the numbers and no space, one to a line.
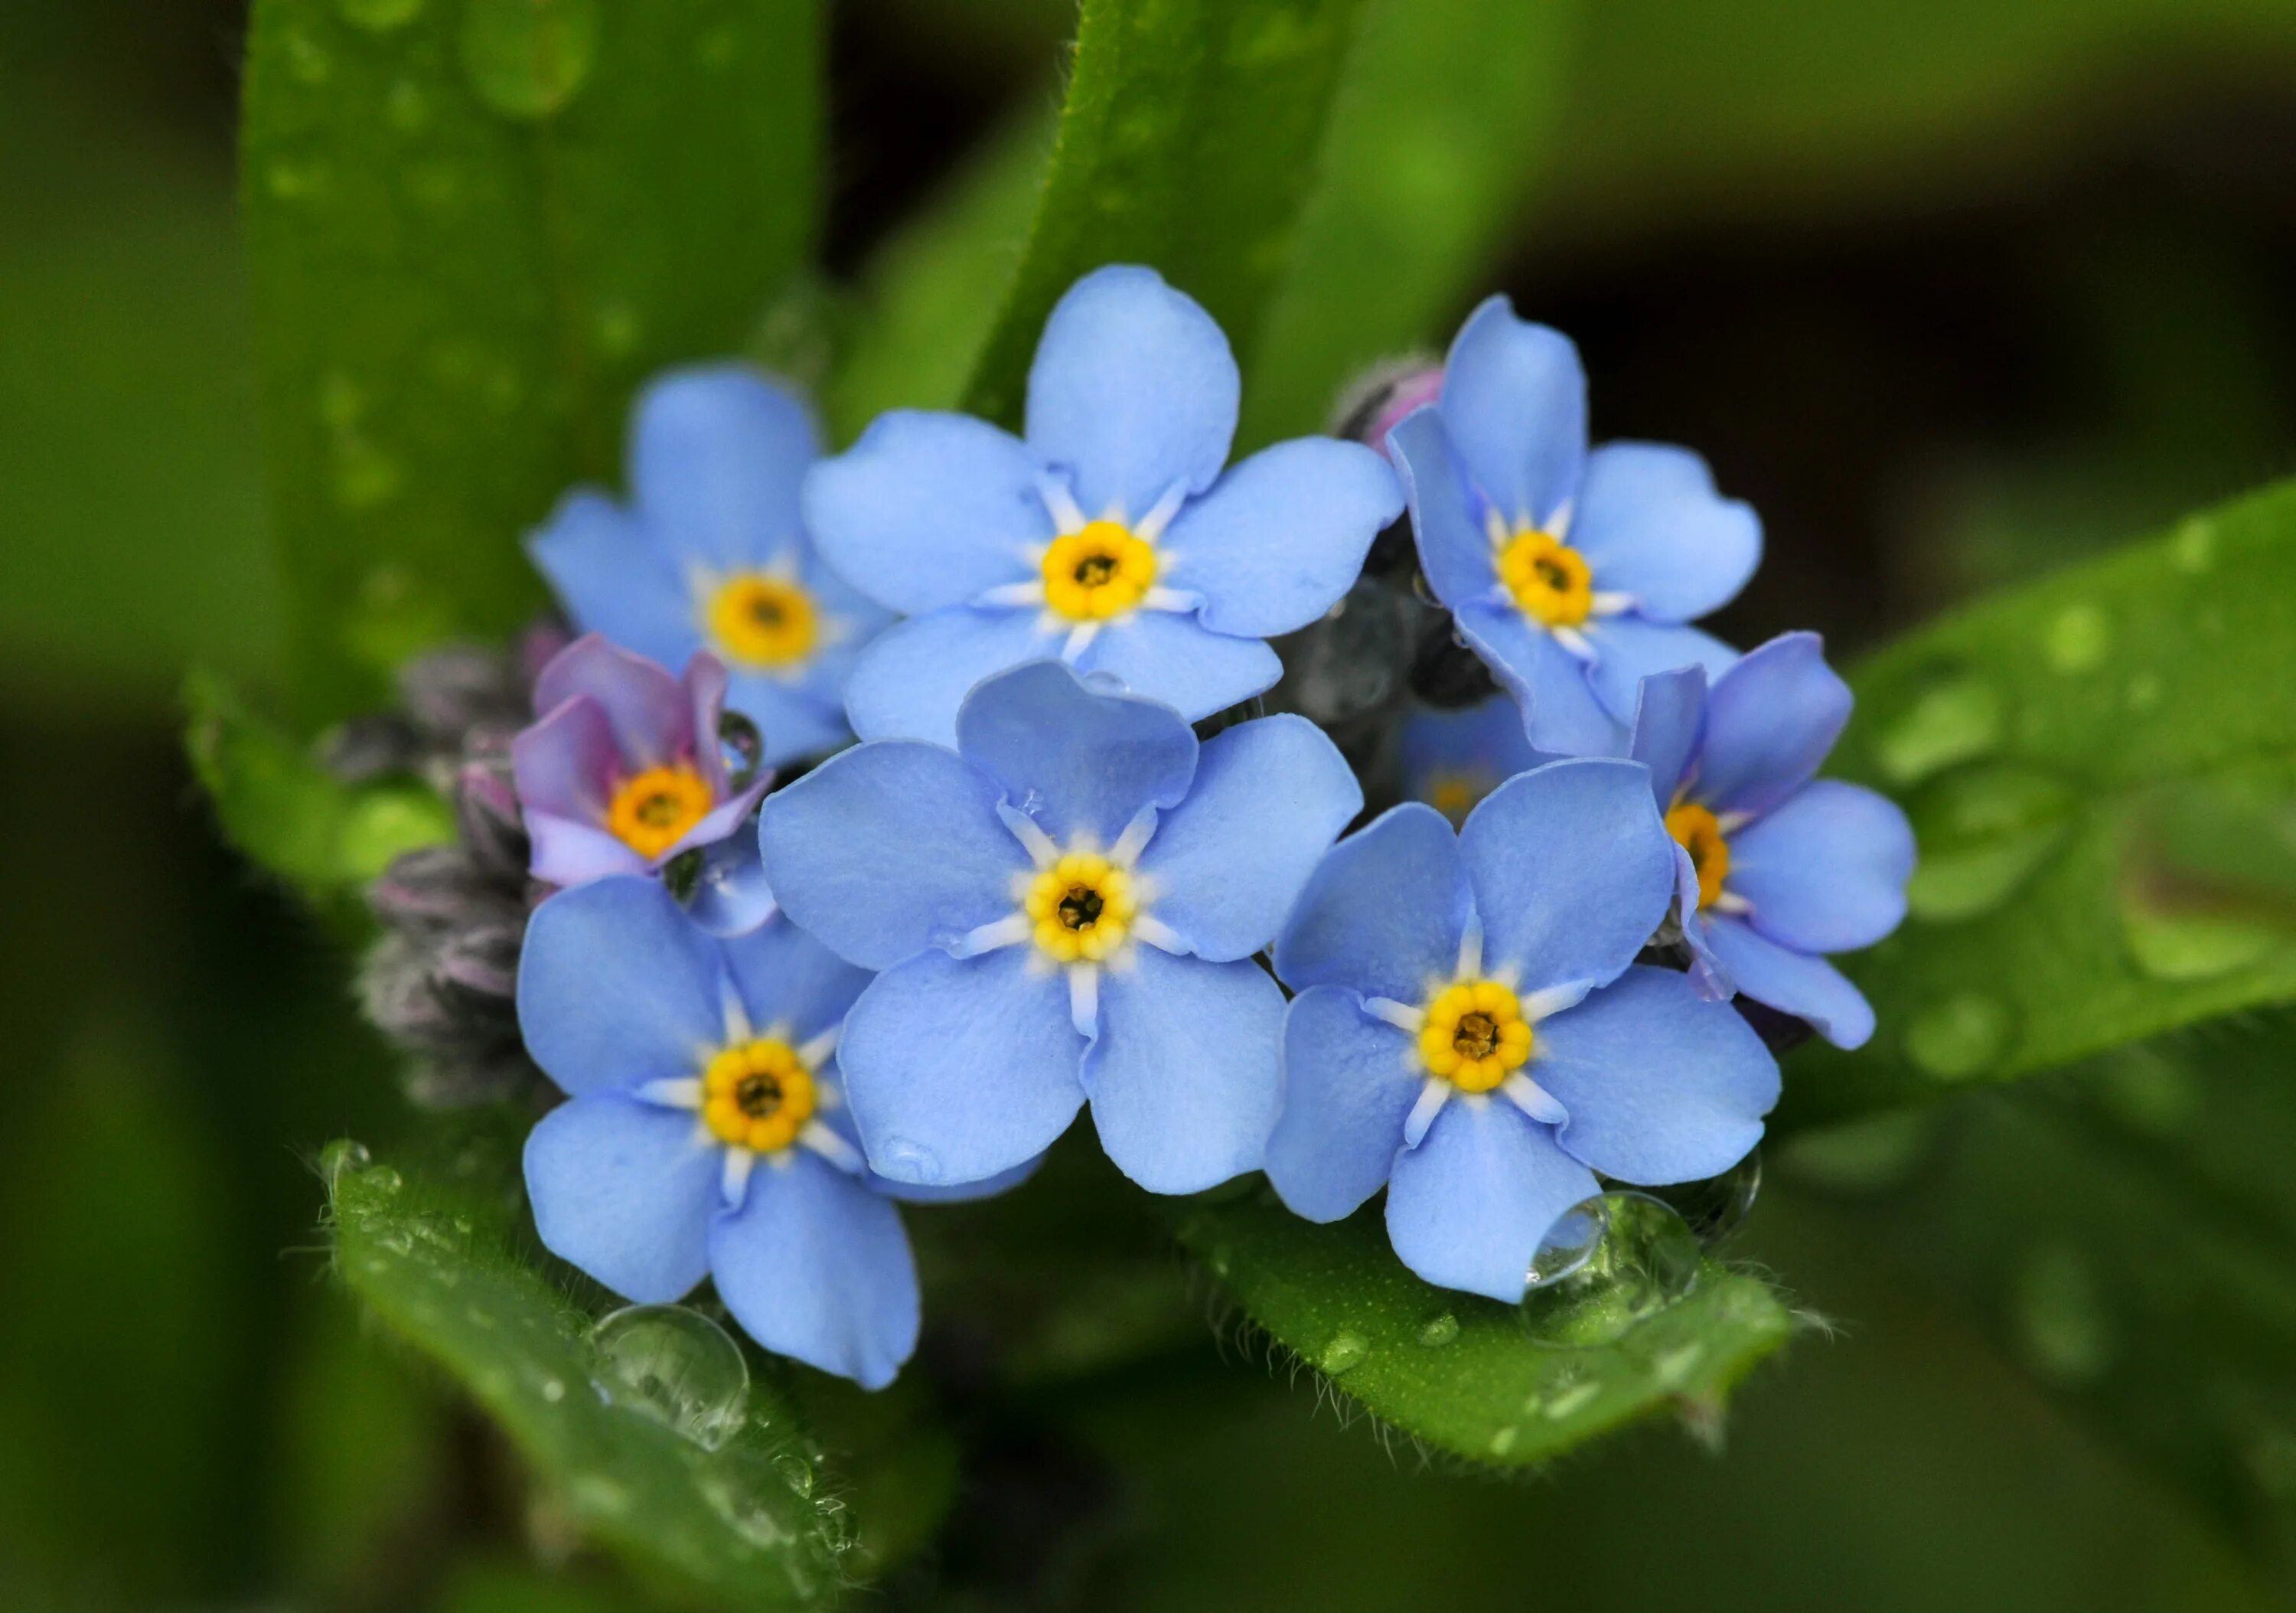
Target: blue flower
(1774,866)
(711,555)
(1452,759)
(1473,1032)
(707,1133)
(1570,573)
(1109,537)
(1064,906)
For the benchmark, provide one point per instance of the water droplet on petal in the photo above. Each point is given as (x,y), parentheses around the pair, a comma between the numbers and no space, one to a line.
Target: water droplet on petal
(1345,1350)
(676,1366)
(1717,1206)
(2059,1312)
(379,16)
(528,58)
(1956,717)
(1439,1331)
(911,1162)
(1959,1036)
(2078,639)
(1611,1262)
(1983,834)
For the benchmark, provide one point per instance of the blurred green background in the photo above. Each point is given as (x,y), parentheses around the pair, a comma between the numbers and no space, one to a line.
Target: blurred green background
(1954,292)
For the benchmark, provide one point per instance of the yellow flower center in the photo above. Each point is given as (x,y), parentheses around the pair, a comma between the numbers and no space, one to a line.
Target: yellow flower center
(1550,580)
(762,621)
(1456,794)
(1099,572)
(1699,832)
(652,810)
(1081,907)
(1474,1035)
(757,1095)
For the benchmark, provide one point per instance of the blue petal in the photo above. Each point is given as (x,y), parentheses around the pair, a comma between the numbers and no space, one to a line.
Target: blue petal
(1169,656)
(959,1192)
(1186,1074)
(1826,871)
(1282,536)
(1561,714)
(1468,1207)
(928,510)
(1662,1085)
(1669,716)
(791,720)
(815,1267)
(1081,763)
(731,894)
(889,848)
(617,987)
(612,581)
(1464,754)
(1769,723)
(716,457)
(910,682)
(1792,982)
(1515,401)
(1348,1083)
(1453,550)
(958,1069)
(1651,524)
(1384,912)
(789,980)
(625,1190)
(1132,390)
(1571,870)
(1628,649)
(1227,863)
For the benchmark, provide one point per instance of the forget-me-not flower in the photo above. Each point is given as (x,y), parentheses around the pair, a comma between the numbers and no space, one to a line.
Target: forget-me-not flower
(1065,907)
(1774,866)
(1473,1032)
(1452,758)
(710,554)
(1108,536)
(624,769)
(1572,573)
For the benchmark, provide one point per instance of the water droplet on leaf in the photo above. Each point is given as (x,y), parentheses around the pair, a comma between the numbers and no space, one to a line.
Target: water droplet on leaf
(1983,834)
(1344,1351)
(528,58)
(342,1156)
(1609,1264)
(1503,1441)
(407,106)
(1718,1206)
(797,1473)
(676,1366)
(1439,1331)
(2078,639)
(2184,944)
(1959,1036)
(1957,717)
(2193,548)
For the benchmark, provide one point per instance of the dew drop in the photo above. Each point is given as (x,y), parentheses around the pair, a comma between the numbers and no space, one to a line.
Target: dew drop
(1673,1369)
(379,16)
(1613,1262)
(1503,1441)
(553,1390)
(1983,834)
(2078,639)
(1221,1259)
(596,1492)
(528,58)
(912,1162)
(2175,943)
(1439,1331)
(744,1509)
(407,106)
(1957,718)
(2193,548)
(1718,1206)
(797,1473)
(1345,1350)
(384,1179)
(1959,1036)
(676,1366)
(2059,1316)
(342,1157)
(1573,1399)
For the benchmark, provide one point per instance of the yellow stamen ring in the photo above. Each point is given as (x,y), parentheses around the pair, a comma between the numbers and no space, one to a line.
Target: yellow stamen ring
(1699,832)
(757,1095)
(650,811)
(1456,794)
(762,621)
(1550,580)
(1099,572)
(1474,1035)
(1081,908)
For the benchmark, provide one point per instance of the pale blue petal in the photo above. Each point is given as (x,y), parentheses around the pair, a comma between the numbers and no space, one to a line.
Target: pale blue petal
(1792,982)
(731,894)
(1826,871)
(1628,649)
(566,853)
(792,719)
(624,1189)
(1663,1084)
(1383,911)
(928,510)
(1469,1206)
(889,848)
(1571,871)
(958,1192)
(1515,401)
(1669,716)
(1227,863)
(1186,1074)
(611,580)
(1348,1083)
(1561,714)
(958,1069)
(790,983)
(617,987)
(1080,762)
(910,682)
(1651,524)
(1770,723)
(1455,551)
(1133,391)
(717,454)
(1282,536)
(815,1267)
(1169,656)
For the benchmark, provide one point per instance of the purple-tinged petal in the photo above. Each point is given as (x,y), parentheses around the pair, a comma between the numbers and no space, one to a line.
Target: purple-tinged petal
(790,983)
(1793,983)
(1133,391)
(1651,524)
(1826,871)
(1561,713)
(1169,656)
(612,580)
(647,709)
(1348,1083)
(1282,536)
(1384,912)
(1080,762)
(566,853)
(705,679)
(1662,1085)
(624,1189)
(617,987)
(719,822)
(1515,403)
(910,682)
(1669,718)
(567,765)
(717,453)
(1770,721)
(1455,551)
(1469,1206)
(1629,649)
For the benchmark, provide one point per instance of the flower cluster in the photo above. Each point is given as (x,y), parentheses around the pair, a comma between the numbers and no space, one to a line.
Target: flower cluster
(1043,882)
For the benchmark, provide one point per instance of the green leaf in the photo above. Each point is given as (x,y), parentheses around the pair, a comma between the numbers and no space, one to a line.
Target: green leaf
(1460,1372)
(2092,765)
(1437,139)
(745,1524)
(473,230)
(287,814)
(1186,144)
